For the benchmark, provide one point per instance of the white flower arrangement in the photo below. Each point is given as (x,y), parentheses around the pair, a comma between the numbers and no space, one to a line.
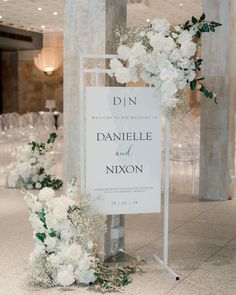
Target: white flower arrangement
(65,231)
(31,166)
(163,57)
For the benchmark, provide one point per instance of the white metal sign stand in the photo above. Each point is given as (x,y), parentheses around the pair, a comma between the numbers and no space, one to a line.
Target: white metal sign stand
(98,70)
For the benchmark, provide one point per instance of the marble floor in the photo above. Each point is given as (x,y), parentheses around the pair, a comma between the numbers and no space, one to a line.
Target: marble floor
(202,248)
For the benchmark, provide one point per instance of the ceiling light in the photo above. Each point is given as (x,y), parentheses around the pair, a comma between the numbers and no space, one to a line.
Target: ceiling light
(148,20)
(181,4)
(55,13)
(0,16)
(39,8)
(43,27)
(5,0)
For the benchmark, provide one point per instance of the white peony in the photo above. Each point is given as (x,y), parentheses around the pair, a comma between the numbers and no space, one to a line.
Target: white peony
(65,276)
(46,194)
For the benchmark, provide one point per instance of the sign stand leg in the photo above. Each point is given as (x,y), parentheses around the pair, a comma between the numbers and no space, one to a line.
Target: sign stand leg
(164,262)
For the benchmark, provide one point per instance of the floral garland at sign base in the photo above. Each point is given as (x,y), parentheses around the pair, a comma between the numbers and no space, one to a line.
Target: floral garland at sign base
(163,56)
(31,166)
(65,232)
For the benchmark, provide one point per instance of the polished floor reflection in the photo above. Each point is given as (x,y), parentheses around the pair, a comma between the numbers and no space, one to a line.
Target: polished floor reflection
(202,248)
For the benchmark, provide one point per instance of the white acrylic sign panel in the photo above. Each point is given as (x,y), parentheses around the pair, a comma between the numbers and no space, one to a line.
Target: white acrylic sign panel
(123,149)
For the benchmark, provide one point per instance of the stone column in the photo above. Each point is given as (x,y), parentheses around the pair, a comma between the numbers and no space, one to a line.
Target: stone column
(84,32)
(89,28)
(217,120)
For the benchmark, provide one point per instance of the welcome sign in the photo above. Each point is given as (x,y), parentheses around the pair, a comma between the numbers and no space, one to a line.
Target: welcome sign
(123,149)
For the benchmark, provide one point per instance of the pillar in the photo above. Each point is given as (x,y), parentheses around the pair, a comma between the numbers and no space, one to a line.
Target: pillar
(217,120)
(89,28)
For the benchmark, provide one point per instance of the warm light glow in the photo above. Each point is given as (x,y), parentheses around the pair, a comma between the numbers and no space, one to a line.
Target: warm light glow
(49,60)
(0,16)
(148,20)
(181,4)
(39,8)
(43,27)
(55,13)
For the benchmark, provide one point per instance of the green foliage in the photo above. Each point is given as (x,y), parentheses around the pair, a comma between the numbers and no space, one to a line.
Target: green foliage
(193,84)
(54,233)
(112,277)
(198,64)
(37,146)
(41,236)
(54,183)
(52,138)
(201,25)
(41,214)
(41,146)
